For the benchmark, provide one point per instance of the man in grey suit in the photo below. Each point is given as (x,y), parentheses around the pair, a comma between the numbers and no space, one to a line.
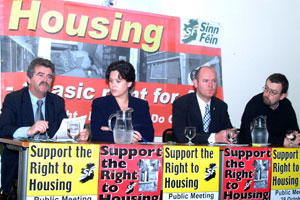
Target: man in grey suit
(202,110)
(19,115)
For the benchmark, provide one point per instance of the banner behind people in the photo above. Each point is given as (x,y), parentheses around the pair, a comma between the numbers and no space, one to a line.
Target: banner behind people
(83,39)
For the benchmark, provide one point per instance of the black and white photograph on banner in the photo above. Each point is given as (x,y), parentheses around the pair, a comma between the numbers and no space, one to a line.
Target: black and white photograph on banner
(148,175)
(91,60)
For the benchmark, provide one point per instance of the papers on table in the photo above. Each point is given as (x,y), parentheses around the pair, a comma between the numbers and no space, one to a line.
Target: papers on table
(62,132)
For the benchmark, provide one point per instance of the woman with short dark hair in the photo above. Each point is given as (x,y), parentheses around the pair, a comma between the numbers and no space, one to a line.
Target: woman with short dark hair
(120,76)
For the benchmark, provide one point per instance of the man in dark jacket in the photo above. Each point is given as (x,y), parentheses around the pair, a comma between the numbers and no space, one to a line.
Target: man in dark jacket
(202,110)
(22,117)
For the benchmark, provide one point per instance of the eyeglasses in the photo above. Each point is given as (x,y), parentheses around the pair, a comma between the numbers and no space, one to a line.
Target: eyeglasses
(270,91)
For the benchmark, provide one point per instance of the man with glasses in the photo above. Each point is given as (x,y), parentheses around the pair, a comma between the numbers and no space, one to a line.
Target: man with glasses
(272,103)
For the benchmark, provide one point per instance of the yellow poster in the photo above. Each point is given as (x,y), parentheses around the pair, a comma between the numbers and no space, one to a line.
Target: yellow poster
(190,169)
(285,168)
(62,169)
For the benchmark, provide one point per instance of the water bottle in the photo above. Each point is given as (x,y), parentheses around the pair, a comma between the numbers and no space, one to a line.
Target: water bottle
(259,132)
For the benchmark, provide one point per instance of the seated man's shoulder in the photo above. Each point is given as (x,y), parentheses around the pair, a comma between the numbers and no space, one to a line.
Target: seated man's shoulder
(218,101)
(55,96)
(257,97)
(256,100)
(18,92)
(286,101)
(185,97)
(16,95)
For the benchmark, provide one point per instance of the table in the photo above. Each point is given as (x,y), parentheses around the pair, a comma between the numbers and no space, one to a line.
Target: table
(22,147)
(24,155)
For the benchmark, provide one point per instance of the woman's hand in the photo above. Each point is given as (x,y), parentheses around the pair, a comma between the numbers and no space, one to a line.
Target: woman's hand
(105,128)
(137,136)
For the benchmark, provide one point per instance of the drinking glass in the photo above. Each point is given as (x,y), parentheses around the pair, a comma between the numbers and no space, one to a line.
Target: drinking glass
(190,133)
(231,135)
(291,136)
(73,130)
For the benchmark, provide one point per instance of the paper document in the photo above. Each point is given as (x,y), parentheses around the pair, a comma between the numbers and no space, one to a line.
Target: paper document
(62,132)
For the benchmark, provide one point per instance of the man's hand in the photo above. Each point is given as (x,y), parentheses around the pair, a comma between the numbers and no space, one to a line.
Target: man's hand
(221,137)
(40,126)
(83,135)
(292,139)
(297,140)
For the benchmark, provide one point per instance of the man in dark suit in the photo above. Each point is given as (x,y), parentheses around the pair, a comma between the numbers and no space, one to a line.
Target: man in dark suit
(202,110)
(19,115)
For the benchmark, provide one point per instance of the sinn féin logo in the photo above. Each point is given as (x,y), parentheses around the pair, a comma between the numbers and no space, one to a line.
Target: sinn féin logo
(87,173)
(190,31)
(202,33)
(210,172)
